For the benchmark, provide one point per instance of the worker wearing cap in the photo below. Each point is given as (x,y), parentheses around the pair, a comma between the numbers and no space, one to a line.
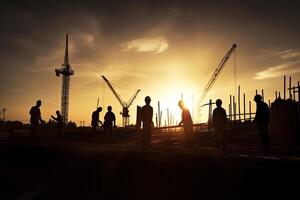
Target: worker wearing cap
(187,123)
(262,120)
(219,120)
(35,119)
(146,118)
(95,118)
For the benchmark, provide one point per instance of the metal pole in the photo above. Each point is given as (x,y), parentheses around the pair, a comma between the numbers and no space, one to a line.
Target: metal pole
(290,88)
(298,94)
(284,87)
(244,103)
(159,114)
(239,102)
(234,109)
(250,110)
(230,108)
(168,117)
(294,94)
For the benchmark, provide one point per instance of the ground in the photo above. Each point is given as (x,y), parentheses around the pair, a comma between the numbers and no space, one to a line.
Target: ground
(83,166)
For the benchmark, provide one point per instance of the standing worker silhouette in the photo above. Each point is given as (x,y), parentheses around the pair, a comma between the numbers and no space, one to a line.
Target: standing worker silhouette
(35,119)
(95,119)
(219,120)
(262,120)
(109,122)
(59,121)
(146,118)
(187,123)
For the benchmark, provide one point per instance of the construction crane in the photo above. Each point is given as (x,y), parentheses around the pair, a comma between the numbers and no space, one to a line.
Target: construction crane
(125,105)
(213,79)
(216,73)
(66,71)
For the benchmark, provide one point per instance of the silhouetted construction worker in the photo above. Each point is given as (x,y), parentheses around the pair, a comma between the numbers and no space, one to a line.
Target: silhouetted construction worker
(187,123)
(109,122)
(146,118)
(95,119)
(35,119)
(59,121)
(262,120)
(219,120)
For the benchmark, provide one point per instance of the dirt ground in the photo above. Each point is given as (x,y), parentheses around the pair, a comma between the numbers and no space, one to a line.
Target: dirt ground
(84,166)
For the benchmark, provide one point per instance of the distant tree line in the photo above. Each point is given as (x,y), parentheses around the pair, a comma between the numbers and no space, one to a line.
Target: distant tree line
(18,125)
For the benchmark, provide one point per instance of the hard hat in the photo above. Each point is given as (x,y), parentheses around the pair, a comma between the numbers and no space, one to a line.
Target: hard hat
(180,102)
(147,98)
(257,97)
(219,102)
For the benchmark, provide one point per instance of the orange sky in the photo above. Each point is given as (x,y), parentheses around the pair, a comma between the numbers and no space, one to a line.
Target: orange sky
(163,49)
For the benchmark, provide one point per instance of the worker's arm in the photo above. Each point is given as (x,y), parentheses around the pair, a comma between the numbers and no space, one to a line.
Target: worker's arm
(54,118)
(40,117)
(180,123)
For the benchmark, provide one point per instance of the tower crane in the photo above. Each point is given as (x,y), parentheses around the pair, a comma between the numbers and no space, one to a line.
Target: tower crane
(213,79)
(125,105)
(217,72)
(66,71)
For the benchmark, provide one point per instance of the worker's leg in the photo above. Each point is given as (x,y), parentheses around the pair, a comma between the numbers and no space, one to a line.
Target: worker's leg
(149,138)
(33,131)
(266,139)
(217,135)
(264,135)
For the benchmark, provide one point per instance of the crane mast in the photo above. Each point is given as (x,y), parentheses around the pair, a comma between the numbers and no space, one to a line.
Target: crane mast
(217,72)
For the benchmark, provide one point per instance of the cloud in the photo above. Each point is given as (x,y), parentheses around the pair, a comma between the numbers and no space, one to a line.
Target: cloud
(156,44)
(288,63)
(279,70)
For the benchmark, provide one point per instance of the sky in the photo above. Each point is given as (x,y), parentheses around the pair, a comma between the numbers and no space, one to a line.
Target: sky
(168,49)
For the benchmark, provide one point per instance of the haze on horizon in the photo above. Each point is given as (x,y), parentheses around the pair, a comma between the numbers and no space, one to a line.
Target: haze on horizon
(163,48)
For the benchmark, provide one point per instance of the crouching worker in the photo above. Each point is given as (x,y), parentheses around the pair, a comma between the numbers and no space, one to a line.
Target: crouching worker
(95,119)
(59,121)
(187,123)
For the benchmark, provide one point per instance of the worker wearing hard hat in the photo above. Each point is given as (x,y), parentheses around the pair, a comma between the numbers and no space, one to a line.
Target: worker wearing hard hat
(262,120)
(146,118)
(187,123)
(219,120)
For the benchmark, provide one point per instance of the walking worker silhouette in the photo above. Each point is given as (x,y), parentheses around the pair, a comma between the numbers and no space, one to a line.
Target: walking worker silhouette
(187,123)
(35,119)
(219,121)
(146,118)
(95,119)
(59,121)
(262,120)
(109,122)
